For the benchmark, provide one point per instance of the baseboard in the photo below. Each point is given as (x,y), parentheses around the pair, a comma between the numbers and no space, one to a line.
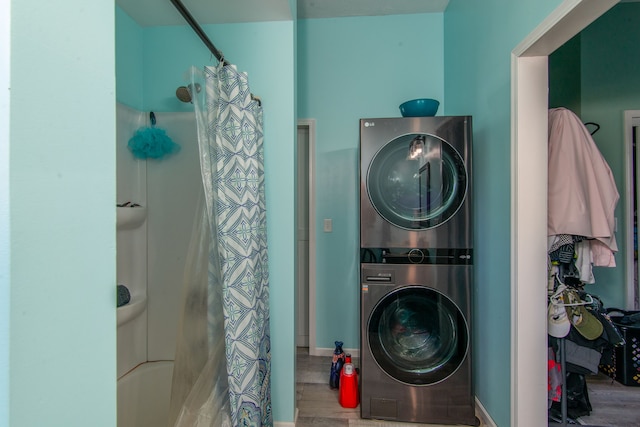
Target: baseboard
(355,352)
(482,413)
(287,423)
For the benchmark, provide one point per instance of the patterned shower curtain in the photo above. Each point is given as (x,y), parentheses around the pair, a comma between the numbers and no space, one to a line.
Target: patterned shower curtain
(232,163)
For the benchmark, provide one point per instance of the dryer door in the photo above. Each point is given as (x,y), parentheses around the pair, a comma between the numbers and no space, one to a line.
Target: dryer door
(417,181)
(417,335)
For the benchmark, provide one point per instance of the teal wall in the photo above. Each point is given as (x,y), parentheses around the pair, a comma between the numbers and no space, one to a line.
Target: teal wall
(5,280)
(610,69)
(265,51)
(479,38)
(129,61)
(352,68)
(61,183)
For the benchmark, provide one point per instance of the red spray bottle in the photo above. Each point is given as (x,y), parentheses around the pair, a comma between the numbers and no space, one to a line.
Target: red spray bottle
(348,384)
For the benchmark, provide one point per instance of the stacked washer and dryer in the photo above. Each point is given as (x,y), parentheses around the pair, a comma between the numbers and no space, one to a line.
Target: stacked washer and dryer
(416,241)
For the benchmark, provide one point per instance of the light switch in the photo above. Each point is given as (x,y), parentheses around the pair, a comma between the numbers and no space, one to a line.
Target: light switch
(328,225)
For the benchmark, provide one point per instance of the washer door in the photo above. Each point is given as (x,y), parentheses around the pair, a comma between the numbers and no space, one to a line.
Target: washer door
(417,335)
(417,181)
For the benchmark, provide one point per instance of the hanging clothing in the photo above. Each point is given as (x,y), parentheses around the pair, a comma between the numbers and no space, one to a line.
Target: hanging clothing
(554,383)
(584,260)
(582,190)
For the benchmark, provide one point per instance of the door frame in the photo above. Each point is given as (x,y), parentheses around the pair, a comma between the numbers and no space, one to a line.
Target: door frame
(529,142)
(310,125)
(631,117)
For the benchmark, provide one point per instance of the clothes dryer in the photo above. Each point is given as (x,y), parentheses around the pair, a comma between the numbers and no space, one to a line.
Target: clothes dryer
(415,178)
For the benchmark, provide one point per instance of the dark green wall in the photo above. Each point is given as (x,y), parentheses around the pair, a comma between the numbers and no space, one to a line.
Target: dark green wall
(610,85)
(564,76)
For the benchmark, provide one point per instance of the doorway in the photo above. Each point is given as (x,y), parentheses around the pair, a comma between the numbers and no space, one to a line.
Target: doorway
(632,178)
(305,240)
(529,115)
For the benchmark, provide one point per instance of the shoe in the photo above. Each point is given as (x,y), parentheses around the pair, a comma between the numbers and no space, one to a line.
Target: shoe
(558,324)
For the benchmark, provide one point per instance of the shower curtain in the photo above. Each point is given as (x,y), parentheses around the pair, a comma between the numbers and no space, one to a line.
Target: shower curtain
(222,370)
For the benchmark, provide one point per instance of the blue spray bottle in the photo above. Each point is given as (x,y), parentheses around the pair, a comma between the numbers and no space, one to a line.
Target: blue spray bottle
(336,365)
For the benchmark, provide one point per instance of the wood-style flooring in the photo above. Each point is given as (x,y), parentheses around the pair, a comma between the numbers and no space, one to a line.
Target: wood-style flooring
(318,404)
(613,404)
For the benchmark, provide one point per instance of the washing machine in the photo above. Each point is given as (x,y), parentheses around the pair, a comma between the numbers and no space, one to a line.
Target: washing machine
(416,265)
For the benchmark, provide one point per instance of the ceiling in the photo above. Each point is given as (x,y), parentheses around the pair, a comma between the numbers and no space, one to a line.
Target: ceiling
(148,13)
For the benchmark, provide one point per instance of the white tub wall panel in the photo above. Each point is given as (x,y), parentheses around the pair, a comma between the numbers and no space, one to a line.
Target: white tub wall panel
(130,172)
(131,179)
(131,244)
(132,344)
(132,259)
(132,272)
(144,395)
(173,187)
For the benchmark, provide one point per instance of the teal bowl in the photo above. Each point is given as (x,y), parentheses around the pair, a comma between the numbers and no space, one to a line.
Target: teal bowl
(423,107)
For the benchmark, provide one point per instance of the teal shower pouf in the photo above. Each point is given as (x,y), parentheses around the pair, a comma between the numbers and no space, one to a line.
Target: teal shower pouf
(152,142)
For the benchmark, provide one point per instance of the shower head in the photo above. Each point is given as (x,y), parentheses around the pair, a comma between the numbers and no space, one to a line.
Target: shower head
(185,93)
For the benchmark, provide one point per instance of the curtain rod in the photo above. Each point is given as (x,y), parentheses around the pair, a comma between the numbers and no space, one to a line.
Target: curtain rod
(198,30)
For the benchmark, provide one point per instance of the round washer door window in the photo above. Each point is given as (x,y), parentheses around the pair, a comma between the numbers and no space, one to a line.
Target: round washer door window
(417,335)
(417,181)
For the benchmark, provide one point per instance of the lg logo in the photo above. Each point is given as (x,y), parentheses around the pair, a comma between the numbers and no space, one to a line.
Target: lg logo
(369,124)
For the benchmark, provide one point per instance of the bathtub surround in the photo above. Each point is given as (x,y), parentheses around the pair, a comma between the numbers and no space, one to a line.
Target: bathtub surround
(153,240)
(167,191)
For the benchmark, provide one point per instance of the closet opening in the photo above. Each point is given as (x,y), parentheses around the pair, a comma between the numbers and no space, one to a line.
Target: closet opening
(632,177)
(529,123)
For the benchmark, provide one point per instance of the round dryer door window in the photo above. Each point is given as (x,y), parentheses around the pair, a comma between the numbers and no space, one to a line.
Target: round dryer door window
(417,335)
(417,181)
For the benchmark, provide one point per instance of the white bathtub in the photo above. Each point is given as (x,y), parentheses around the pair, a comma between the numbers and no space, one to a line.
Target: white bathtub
(144,395)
